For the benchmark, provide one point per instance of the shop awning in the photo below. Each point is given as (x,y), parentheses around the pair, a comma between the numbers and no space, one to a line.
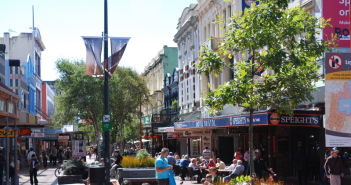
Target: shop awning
(299,118)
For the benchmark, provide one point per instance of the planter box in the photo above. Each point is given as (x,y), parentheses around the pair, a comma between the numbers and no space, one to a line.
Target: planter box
(69,179)
(137,174)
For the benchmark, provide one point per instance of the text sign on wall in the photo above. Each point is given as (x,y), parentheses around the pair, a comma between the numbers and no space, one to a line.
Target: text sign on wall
(338,11)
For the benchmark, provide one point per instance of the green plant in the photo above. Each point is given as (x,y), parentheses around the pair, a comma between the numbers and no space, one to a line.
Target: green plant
(142,154)
(74,167)
(135,162)
(240,179)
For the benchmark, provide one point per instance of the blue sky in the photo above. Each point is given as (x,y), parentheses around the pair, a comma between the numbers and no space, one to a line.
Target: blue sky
(150,23)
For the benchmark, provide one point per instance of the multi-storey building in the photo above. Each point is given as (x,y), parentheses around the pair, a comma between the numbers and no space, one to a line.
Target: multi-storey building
(227,131)
(187,39)
(25,81)
(154,113)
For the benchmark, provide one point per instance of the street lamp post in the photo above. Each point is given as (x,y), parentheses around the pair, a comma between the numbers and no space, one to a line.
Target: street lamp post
(106,98)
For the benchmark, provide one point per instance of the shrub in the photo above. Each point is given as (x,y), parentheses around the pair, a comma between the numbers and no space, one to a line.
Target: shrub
(142,154)
(74,167)
(135,162)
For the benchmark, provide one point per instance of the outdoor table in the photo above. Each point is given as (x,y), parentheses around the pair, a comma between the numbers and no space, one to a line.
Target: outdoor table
(223,172)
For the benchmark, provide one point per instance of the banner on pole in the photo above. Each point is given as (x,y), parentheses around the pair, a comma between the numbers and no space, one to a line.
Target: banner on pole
(93,47)
(118,46)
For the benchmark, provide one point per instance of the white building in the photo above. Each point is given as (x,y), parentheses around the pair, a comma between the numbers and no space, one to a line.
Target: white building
(187,39)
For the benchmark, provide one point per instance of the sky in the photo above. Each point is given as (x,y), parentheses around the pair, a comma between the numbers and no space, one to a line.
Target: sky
(151,24)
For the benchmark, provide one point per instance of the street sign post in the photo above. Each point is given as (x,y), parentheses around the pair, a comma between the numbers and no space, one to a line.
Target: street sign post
(106,123)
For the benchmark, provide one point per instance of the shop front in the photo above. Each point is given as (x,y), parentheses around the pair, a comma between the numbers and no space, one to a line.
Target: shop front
(277,136)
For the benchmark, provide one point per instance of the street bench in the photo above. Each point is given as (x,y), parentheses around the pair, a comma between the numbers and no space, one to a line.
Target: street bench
(137,176)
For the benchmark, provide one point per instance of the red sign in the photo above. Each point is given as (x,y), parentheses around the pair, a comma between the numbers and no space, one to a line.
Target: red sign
(334,62)
(338,11)
(24,132)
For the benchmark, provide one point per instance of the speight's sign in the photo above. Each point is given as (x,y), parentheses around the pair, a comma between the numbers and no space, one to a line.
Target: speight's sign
(296,119)
(265,118)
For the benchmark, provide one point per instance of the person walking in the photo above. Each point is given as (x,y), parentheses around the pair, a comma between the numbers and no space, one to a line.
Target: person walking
(163,168)
(183,164)
(33,168)
(334,168)
(29,155)
(44,158)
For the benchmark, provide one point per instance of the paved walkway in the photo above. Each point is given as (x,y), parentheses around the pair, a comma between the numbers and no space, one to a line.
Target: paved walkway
(45,177)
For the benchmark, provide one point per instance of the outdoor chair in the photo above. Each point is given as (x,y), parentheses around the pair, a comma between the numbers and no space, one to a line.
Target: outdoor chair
(192,177)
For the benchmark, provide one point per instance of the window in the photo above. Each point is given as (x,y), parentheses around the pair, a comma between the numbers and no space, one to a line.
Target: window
(38,99)
(37,64)
(2,105)
(24,101)
(11,108)
(16,82)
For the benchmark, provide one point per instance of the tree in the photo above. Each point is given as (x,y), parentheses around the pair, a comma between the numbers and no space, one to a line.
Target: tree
(281,41)
(80,98)
(127,92)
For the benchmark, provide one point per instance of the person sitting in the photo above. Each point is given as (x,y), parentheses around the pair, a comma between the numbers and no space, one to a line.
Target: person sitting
(220,164)
(239,170)
(208,180)
(232,166)
(196,170)
(210,164)
(215,178)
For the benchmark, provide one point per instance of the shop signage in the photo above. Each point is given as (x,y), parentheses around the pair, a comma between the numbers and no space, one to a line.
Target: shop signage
(215,122)
(79,149)
(63,138)
(245,119)
(266,118)
(10,133)
(38,135)
(24,132)
(296,119)
(338,11)
(165,129)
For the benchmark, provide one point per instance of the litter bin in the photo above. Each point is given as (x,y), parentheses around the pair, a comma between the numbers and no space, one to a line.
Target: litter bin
(96,175)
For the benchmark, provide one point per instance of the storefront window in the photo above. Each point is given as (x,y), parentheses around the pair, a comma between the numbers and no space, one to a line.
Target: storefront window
(2,105)
(12,108)
(195,147)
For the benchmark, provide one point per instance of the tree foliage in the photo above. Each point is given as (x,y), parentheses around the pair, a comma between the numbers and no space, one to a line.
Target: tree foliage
(283,41)
(81,98)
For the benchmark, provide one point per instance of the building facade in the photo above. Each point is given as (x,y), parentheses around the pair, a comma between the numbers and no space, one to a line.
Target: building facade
(156,111)
(187,39)
(25,81)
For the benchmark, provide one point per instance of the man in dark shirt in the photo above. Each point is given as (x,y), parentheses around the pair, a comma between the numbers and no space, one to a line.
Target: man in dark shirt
(334,168)
(183,166)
